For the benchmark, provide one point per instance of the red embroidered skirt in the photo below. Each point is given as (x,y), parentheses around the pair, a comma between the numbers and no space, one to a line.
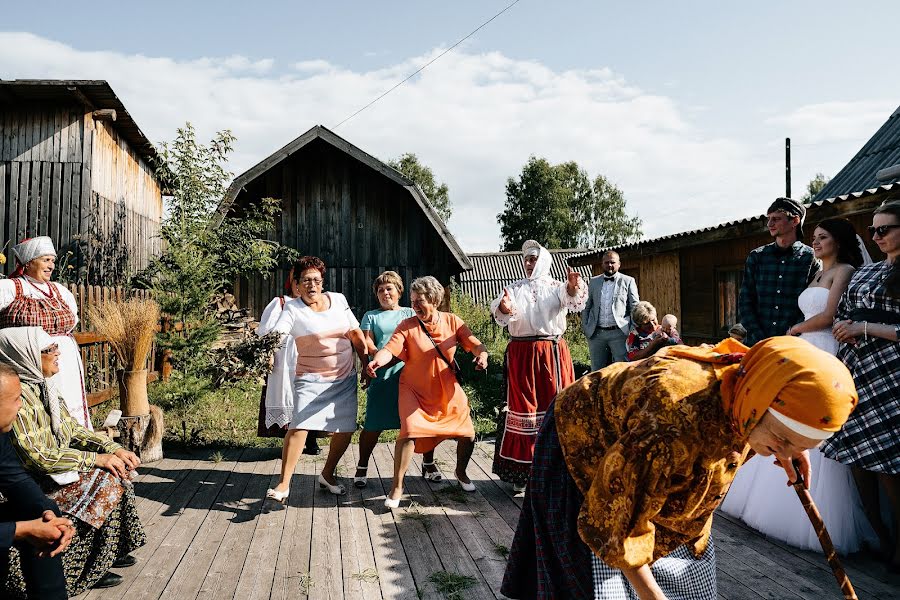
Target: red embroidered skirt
(534,370)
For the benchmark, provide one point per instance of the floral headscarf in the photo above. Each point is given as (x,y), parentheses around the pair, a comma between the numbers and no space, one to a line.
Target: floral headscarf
(810,390)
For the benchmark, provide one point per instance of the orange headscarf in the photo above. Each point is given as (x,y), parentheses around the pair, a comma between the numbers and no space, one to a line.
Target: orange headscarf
(784,373)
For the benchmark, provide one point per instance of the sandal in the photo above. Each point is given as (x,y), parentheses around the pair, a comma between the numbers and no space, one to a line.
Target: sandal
(360,482)
(433,476)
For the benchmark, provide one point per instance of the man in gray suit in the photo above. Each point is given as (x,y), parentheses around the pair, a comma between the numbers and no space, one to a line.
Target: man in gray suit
(606,319)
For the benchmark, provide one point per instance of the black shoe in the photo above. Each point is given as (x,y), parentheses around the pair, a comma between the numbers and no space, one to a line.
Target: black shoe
(312,450)
(126,561)
(107,581)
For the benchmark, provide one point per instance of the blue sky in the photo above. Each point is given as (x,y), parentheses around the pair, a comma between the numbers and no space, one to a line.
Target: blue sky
(684,105)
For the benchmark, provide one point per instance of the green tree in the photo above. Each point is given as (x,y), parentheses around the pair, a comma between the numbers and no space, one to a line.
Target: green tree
(559,206)
(437,193)
(814,186)
(198,260)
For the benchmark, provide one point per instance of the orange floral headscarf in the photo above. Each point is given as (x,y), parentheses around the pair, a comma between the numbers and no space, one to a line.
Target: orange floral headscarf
(784,373)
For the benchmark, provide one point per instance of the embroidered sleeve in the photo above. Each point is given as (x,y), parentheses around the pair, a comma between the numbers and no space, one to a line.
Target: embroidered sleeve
(69,298)
(577,302)
(269,317)
(502,319)
(7,292)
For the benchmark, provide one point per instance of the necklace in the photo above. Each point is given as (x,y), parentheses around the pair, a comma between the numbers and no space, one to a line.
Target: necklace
(48,295)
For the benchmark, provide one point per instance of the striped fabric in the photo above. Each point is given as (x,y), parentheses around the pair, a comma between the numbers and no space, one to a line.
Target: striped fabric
(39,449)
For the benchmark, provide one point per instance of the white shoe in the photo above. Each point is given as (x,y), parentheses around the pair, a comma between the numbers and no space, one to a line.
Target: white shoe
(391,503)
(518,489)
(337,490)
(278,496)
(467,487)
(360,482)
(434,476)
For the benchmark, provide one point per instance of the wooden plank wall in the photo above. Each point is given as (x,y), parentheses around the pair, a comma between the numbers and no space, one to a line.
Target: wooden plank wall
(358,221)
(660,283)
(46,185)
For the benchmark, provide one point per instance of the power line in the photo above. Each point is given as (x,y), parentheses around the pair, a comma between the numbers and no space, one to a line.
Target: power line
(423,67)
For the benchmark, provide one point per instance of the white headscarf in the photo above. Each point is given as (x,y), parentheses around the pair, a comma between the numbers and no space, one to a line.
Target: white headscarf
(544,261)
(28,250)
(866,257)
(20,348)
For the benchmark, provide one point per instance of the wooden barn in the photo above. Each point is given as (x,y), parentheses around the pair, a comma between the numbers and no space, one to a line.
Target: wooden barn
(696,275)
(75,166)
(350,209)
(491,271)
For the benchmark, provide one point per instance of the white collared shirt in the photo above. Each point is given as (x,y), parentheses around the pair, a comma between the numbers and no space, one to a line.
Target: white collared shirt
(607,292)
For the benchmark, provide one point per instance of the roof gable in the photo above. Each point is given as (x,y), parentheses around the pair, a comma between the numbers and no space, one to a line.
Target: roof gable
(322,133)
(880,152)
(92,93)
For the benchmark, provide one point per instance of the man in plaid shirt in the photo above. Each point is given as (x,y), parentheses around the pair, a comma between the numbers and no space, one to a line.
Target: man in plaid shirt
(776,274)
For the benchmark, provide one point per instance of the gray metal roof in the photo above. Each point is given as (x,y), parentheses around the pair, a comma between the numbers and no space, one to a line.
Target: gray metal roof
(880,152)
(493,270)
(588,257)
(93,94)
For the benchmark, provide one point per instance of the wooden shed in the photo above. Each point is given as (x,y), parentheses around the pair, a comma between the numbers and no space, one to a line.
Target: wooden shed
(76,167)
(697,275)
(492,271)
(352,210)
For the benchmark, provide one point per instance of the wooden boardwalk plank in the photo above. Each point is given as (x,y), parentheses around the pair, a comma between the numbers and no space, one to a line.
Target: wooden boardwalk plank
(292,565)
(325,560)
(188,578)
(358,560)
(394,575)
(225,570)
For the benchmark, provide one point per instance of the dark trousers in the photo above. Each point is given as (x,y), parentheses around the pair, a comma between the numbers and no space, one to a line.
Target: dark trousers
(44,578)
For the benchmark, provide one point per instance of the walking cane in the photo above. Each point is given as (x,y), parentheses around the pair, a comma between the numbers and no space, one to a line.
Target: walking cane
(819,526)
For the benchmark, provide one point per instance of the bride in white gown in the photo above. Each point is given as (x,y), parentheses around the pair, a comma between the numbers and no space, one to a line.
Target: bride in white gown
(760,495)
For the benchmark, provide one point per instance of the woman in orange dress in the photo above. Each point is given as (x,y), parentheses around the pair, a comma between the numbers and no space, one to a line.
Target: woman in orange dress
(433,406)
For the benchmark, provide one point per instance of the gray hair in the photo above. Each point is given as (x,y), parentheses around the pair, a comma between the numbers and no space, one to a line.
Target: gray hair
(7,370)
(642,313)
(429,287)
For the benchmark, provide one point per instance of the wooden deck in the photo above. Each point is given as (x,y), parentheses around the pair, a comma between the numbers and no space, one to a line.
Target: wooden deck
(211,536)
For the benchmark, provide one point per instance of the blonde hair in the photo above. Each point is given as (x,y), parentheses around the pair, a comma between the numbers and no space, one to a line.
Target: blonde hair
(387,277)
(642,312)
(669,318)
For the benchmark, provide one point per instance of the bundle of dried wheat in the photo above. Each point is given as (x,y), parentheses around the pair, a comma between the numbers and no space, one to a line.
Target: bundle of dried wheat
(129,326)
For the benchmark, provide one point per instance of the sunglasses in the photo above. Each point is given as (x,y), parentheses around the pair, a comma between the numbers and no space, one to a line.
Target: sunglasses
(52,349)
(881,230)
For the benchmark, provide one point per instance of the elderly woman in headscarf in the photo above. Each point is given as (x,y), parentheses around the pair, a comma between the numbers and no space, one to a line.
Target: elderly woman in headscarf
(537,363)
(86,474)
(633,459)
(29,299)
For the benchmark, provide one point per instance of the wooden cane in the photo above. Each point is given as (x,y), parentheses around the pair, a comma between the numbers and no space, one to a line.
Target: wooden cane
(822,533)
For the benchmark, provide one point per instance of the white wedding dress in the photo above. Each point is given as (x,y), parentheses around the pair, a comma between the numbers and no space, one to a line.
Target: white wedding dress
(761,497)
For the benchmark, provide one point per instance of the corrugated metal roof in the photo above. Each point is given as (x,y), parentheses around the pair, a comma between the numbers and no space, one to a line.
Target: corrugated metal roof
(880,152)
(96,93)
(493,270)
(586,257)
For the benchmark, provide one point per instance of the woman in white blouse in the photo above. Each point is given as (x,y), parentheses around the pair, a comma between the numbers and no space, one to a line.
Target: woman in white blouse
(29,299)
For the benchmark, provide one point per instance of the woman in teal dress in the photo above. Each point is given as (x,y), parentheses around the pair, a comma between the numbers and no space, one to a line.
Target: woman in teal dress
(381,392)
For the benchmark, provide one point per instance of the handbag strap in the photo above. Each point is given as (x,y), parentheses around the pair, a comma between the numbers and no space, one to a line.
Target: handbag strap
(433,343)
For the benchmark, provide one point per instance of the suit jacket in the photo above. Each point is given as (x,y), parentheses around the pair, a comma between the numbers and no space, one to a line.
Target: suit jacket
(24,498)
(624,297)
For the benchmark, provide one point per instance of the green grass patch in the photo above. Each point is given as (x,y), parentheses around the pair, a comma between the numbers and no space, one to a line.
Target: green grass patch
(451,585)
(501,550)
(369,575)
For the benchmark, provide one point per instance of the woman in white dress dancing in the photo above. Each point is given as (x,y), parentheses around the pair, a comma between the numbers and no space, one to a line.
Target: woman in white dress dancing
(760,495)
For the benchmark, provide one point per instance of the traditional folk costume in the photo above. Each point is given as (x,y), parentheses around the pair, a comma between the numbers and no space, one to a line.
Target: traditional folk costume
(537,363)
(632,460)
(61,455)
(325,374)
(433,406)
(277,402)
(26,302)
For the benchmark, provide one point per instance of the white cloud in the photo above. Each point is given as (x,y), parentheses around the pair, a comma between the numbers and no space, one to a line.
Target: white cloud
(835,121)
(474,118)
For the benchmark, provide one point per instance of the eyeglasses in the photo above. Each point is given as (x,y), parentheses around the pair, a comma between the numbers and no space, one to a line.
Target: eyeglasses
(881,230)
(313,281)
(52,349)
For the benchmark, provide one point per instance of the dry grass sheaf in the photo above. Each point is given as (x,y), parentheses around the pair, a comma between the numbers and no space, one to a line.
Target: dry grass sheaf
(129,326)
